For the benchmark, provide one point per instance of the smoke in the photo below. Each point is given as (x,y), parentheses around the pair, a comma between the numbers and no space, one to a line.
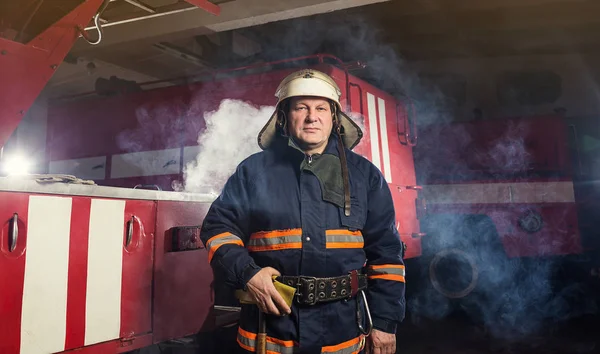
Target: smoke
(156,123)
(512,297)
(509,152)
(352,37)
(230,137)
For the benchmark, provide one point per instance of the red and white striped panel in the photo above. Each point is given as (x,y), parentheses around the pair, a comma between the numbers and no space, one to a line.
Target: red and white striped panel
(71,276)
(378,134)
(500,193)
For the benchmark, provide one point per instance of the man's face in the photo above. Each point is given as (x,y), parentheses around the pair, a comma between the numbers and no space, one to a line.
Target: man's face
(310,123)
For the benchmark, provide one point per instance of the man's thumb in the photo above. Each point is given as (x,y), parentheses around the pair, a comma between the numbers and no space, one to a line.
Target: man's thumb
(273,271)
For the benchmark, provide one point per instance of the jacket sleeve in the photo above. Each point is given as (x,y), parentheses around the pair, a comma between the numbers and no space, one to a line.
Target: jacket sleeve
(225,232)
(385,266)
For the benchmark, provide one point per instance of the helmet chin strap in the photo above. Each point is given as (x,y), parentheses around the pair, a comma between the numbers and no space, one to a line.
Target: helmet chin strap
(342,152)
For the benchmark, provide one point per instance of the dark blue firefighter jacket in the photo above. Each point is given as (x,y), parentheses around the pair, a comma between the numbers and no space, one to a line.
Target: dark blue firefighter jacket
(271,212)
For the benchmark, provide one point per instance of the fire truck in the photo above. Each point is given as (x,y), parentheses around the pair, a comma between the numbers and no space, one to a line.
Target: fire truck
(510,180)
(93,260)
(496,190)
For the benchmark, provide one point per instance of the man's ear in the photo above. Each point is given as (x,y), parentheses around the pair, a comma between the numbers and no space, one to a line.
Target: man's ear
(282,123)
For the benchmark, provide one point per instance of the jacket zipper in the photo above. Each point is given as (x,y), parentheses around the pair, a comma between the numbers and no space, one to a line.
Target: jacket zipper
(310,158)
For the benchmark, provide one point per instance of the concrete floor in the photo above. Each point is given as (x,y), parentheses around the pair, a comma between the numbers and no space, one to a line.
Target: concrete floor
(452,335)
(558,315)
(456,335)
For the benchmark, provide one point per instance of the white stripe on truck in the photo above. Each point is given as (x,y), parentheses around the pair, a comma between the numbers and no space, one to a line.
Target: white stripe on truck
(499,193)
(44,313)
(387,166)
(373,131)
(105,267)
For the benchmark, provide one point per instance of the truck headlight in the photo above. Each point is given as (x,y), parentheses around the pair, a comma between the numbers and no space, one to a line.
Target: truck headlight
(16,165)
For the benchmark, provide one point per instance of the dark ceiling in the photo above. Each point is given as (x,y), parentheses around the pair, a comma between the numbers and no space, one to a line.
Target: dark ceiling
(385,35)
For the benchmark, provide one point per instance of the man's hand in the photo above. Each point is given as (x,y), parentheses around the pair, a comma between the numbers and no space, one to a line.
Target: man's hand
(381,343)
(267,298)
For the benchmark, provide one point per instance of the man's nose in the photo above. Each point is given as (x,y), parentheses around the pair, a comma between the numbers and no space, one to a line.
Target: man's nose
(311,115)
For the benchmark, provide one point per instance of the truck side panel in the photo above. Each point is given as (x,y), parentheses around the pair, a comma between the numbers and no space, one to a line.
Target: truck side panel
(71,280)
(138,267)
(183,281)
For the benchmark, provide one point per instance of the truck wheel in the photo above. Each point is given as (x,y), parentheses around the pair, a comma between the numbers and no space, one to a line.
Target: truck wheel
(464,267)
(451,261)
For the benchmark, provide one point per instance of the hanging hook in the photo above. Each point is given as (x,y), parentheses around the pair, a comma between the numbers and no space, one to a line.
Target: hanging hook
(86,35)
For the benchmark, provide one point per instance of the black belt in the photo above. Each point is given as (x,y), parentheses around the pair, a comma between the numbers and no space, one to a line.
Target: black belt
(311,290)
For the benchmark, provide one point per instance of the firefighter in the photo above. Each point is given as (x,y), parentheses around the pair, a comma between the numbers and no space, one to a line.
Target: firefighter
(309,213)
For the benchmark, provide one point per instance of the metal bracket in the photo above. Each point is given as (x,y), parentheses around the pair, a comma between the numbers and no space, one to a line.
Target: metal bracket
(185,238)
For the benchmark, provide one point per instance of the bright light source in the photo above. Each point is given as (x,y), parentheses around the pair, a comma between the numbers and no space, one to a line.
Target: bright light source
(16,165)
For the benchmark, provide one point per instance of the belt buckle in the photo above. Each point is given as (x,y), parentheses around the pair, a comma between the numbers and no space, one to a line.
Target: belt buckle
(309,285)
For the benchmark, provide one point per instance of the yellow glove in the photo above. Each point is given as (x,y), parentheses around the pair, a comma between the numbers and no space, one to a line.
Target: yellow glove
(287,293)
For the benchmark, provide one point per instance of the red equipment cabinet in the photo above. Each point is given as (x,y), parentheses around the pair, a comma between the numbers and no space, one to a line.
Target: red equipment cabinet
(94,267)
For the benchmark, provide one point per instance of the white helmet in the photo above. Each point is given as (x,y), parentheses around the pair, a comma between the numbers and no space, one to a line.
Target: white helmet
(309,82)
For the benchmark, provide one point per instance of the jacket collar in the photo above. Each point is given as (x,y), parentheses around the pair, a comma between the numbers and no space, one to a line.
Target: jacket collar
(326,167)
(330,148)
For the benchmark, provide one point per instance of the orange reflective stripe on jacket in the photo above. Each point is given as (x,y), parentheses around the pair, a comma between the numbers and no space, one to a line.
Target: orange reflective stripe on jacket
(352,346)
(386,271)
(344,239)
(275,240)
(219,240)
(292,239)
(247,340)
